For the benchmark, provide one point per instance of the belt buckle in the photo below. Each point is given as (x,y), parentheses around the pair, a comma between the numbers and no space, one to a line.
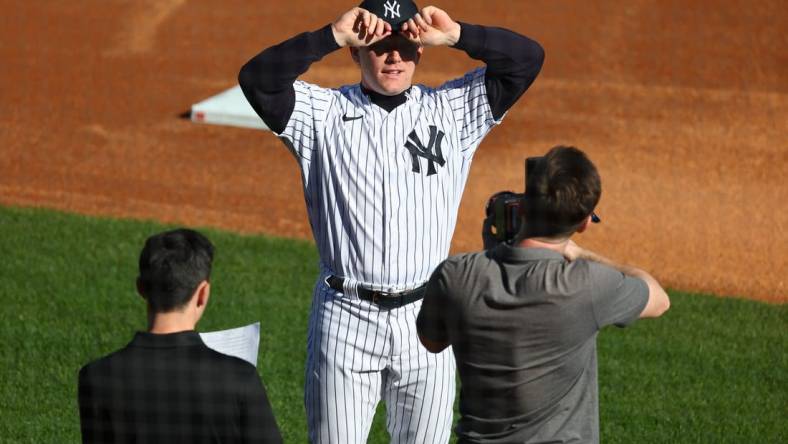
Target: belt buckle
(377,296)
(385,299)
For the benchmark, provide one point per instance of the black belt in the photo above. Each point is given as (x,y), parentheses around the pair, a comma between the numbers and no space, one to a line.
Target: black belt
(380,298)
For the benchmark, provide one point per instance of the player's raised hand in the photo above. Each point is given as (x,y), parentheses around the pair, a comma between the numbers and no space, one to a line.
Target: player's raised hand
(359,27)
(432,27)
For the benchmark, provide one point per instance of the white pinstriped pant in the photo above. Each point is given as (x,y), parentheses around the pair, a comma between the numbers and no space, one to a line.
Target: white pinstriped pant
(358,354)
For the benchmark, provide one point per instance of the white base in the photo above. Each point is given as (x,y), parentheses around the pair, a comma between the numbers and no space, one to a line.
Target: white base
(227,108)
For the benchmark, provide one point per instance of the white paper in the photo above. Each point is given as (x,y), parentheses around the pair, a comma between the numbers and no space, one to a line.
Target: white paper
(242,342)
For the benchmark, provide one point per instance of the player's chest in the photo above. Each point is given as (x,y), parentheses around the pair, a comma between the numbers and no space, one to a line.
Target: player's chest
(406,141)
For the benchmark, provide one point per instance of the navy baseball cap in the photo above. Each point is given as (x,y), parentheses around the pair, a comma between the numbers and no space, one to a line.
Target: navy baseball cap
(395,12)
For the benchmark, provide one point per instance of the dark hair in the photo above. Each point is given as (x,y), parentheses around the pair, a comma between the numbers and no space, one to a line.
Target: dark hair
(172,265)
(562,190)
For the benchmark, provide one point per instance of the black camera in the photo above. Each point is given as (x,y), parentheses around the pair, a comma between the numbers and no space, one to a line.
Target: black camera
(505,207)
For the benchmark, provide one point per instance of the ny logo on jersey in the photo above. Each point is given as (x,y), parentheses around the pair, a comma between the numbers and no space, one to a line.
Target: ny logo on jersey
(432,152)
(391,7)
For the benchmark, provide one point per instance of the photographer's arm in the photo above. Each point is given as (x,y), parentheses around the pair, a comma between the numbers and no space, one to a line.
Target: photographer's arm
(658,300)
(431,320)
(433,346)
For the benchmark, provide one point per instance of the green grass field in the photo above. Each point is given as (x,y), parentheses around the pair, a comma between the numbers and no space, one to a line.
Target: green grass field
(712,370)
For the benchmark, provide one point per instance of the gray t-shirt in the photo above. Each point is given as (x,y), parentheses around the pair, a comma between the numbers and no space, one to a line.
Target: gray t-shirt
(523,325)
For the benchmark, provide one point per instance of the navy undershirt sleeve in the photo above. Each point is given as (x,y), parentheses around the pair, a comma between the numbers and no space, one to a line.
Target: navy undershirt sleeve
(513,62)
(267,79)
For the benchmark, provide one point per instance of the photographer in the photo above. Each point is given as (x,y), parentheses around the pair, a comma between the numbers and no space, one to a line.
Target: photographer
(522,317)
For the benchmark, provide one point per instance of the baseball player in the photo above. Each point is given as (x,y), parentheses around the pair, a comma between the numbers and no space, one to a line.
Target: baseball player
(383,164)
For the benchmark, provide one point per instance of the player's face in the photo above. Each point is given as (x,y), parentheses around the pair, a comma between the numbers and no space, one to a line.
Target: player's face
(387,67)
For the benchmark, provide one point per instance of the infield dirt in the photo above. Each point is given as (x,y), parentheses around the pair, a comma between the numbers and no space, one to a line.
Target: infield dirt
(682,105)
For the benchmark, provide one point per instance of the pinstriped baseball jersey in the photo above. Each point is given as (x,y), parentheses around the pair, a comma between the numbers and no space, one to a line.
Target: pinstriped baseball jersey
(382,188)
(382,178)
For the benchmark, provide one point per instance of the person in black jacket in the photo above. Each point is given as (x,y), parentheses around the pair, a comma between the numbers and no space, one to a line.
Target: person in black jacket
(167,386)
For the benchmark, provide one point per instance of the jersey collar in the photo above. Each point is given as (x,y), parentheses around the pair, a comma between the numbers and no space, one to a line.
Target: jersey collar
(386,102)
